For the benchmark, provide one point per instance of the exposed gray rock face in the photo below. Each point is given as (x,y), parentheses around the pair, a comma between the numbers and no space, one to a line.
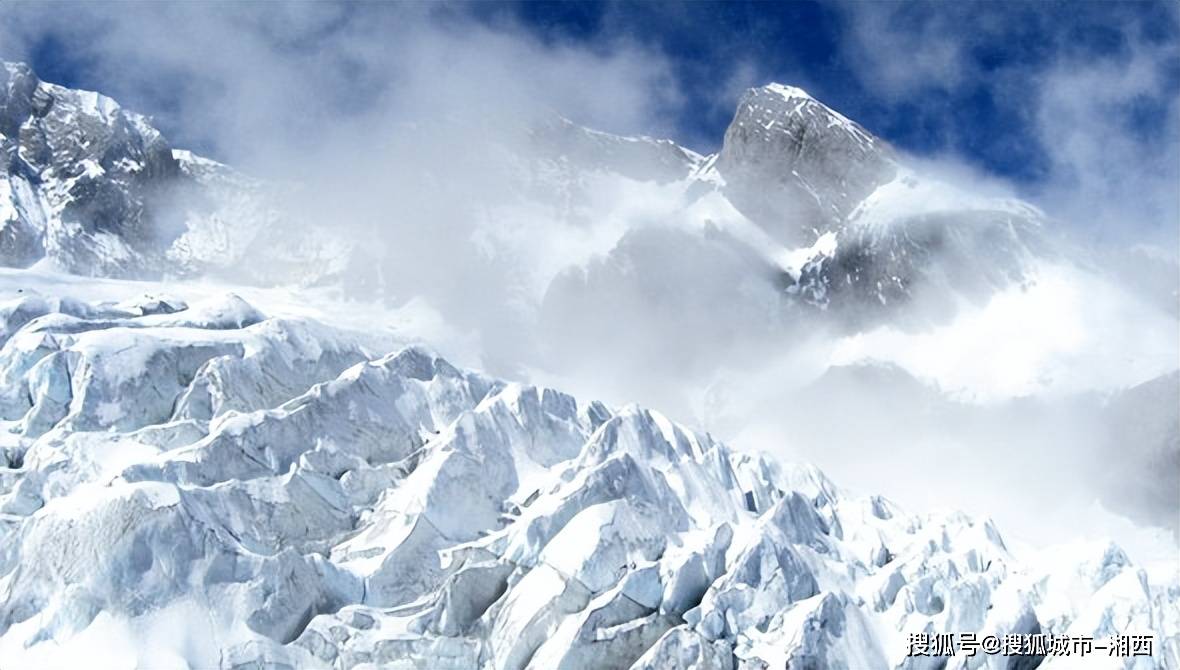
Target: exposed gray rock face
(82,181)
(797,167)
(943,256)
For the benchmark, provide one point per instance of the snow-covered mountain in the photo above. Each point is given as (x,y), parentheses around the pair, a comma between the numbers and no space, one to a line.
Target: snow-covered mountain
(797,166)
(78,180)
(203,486)
(189,479)
(96,190)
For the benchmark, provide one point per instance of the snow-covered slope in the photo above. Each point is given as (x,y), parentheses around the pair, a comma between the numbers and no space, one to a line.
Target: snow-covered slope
(203,485)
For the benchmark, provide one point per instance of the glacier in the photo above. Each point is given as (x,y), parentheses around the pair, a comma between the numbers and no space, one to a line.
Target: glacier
(204,486)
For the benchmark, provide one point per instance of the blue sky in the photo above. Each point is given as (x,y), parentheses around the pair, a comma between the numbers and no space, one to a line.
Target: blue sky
(976,112)
(1072,104)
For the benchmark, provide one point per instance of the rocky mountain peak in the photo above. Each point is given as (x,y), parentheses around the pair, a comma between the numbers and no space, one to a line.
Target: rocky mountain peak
(78,179)
(793,164)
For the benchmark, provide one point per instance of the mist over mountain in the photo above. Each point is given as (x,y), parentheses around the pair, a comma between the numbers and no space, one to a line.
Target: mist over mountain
(284,470)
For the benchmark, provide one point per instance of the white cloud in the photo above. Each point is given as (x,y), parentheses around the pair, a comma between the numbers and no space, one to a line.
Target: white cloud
(1104,182)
